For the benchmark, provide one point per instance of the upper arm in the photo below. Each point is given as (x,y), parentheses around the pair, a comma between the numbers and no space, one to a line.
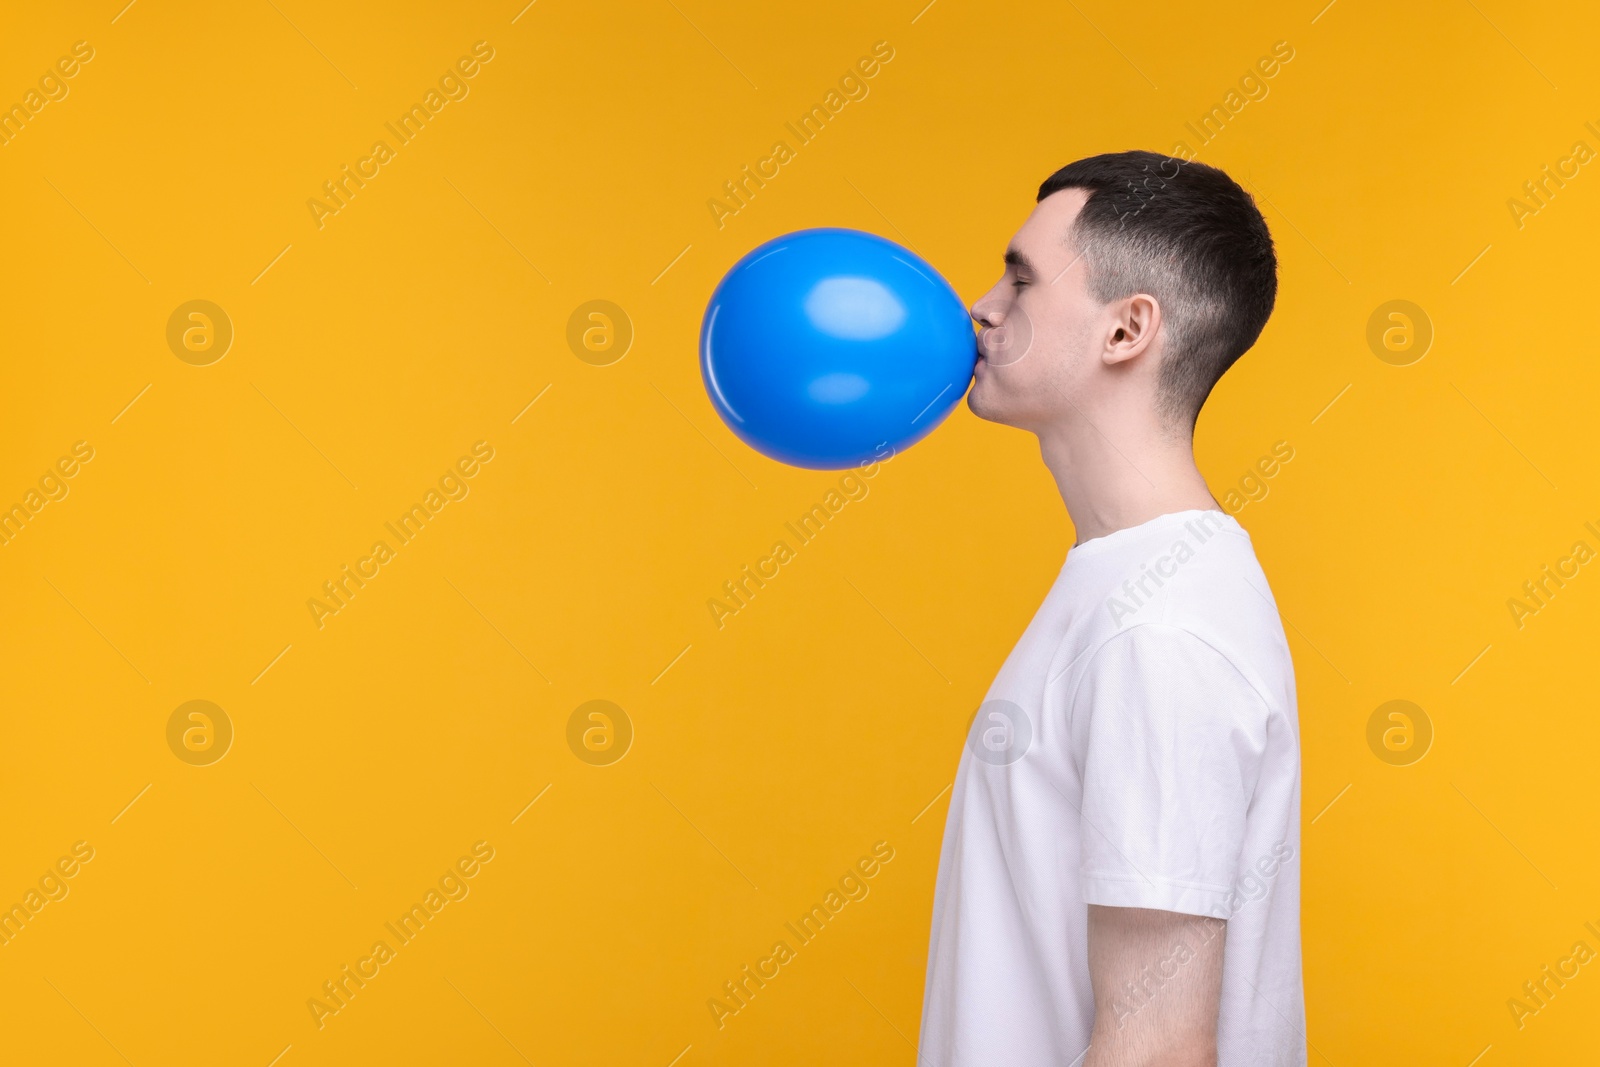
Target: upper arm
(1157,979)
(1171,738)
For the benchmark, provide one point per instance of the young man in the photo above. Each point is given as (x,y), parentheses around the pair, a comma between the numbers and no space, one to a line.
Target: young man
(1119,883)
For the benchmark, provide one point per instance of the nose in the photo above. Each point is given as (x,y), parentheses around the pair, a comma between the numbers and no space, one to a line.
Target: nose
(989,309)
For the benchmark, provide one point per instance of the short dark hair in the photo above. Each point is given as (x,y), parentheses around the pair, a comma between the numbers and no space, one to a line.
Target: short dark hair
(1188,235)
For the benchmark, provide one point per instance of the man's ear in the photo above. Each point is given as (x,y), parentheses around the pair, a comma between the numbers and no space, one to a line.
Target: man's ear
(1134,329)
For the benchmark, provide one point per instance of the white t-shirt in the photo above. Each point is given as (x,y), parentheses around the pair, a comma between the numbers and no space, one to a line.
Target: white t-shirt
(1140,749)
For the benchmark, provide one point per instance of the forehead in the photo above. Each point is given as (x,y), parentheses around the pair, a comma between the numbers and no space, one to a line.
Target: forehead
(1044,239)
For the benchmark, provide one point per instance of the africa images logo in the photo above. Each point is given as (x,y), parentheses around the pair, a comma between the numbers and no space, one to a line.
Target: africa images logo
(453,485)
(453,85)
(340,990)
(1136,591)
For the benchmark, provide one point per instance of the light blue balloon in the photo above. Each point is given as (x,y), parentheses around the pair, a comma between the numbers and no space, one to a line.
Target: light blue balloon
(821,347)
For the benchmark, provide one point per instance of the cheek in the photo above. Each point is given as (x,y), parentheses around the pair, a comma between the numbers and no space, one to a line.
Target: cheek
(1060,335)
(1030,383)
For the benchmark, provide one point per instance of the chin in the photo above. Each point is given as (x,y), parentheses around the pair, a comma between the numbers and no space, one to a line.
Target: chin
(982,405)
(975,405)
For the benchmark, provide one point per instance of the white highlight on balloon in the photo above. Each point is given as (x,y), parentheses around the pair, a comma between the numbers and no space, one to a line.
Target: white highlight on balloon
(854,309)
(711,369)
(838,388)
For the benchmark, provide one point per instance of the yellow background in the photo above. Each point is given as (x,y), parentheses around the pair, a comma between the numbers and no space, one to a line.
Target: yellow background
(830,713)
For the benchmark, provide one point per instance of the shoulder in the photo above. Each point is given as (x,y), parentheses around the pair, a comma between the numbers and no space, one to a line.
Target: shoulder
(1166,665)
(1184,574)
(1213,594)
(1187,600)
(1165,646)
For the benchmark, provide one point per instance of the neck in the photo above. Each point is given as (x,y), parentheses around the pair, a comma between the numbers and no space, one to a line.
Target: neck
(1110,483)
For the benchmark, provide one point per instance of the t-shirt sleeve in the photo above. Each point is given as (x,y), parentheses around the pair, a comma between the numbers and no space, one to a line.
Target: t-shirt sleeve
(1171,737)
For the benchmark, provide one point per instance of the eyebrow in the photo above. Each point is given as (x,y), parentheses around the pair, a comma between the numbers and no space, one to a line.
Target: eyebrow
(1017,259)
